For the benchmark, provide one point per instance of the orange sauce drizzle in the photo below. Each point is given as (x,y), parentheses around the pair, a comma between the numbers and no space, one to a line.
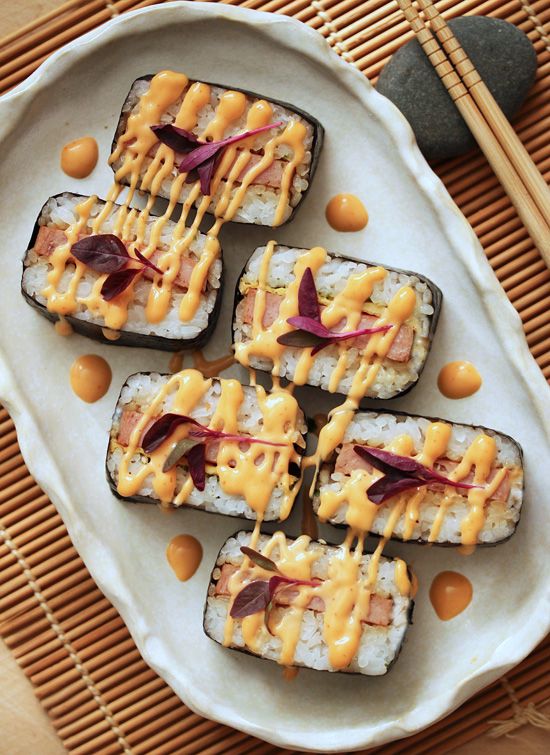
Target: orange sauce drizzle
(212,367)
(346,213)
(79,157)
(184,554)
(232,179)
(450,594)
(63,327)
(90,377)
(458,380)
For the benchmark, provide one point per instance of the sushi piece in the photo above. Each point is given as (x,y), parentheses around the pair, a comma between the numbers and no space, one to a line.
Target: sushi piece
(329,608)
(212,444)
(446,483)
(261,179)
(59,286)
(327,321)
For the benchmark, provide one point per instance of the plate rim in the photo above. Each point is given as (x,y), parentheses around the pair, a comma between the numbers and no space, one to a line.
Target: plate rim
(45,470)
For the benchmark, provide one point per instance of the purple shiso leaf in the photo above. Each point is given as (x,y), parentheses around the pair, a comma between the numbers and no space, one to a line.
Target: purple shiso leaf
(310,325)
(320,336)
(103,252)
(301,339)
(308,304)
(400,473)
(166,425)
(209,149)
(206,171)
(254,597)
(279,580)
(176,138)
(147,262)
(116,283)
(196,461)
(259,559)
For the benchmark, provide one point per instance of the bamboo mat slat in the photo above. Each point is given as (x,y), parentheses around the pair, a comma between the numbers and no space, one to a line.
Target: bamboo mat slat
(67,638)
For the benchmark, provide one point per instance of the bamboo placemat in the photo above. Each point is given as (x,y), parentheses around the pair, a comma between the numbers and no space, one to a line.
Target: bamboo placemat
(66,636)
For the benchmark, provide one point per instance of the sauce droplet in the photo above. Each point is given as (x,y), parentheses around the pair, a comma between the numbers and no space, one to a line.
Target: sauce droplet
(346,212)
(90,377)
(63,327)
(458,380)
(450,594)
(184,554)
(290,673)
(79,158)
(176,362)
(110,335)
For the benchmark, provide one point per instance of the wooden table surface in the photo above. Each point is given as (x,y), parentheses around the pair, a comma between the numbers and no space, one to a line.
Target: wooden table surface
(24,726)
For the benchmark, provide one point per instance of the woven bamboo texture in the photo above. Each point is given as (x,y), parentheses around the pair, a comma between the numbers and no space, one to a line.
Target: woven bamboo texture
(65,635)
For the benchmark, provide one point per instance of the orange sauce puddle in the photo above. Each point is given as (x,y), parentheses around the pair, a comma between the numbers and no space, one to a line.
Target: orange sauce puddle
(212,367)
(90,377)
(176,362)
(184,554)
(346,213)
(450,594)
(458,380)
(79,157)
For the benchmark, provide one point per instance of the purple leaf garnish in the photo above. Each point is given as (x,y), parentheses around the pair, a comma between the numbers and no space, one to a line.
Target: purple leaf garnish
(196,460)
(146,262)
(401,473)
(115,283)
(259,594)
(310,331)
(259,559)
(166,425)
(176,138)
(103,252)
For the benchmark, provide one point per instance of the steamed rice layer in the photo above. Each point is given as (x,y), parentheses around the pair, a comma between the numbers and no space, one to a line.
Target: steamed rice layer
(60,212)
(378,645)
(330,280)
(380,429)
(260,201)
(139,392)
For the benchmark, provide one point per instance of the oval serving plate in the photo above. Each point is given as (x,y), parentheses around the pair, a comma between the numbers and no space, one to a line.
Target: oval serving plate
(370,151)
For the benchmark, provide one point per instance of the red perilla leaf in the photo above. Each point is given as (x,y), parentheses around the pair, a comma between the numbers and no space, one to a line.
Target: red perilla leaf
(259,559)
(259,594)
(116,283)
(401,473)
(102,252)
(196,460)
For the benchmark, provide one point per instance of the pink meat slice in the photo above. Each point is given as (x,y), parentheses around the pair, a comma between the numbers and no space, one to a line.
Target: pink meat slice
(347,461)
(183,277)
(400,350)
(379,613)
(48,239)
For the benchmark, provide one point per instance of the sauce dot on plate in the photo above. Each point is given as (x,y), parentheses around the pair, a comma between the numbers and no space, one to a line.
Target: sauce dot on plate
(79,158)
(450,594)
(184,554)
(458,380)
(346,213)
(90,377)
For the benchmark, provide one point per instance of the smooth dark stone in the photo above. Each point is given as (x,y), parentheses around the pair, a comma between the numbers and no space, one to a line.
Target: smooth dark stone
(505,59)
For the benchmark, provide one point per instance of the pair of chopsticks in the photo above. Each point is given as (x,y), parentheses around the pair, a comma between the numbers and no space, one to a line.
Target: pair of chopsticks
(502,147)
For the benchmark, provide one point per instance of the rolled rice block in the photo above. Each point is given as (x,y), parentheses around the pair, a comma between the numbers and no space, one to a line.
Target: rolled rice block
(124,320)
(436,513)
(345,305)
(242,478)
(284,180)
(307,625)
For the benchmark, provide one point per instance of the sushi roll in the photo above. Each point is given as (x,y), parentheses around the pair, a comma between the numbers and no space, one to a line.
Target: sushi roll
(429,481)
(260,179)
(323,607)
(344,326)
(107,293)
(212,444)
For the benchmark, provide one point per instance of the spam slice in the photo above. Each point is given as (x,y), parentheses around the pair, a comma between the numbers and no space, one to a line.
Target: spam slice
(306,622)
(349,327)
(56,285)
(240,446)
(274,169)
(473,497)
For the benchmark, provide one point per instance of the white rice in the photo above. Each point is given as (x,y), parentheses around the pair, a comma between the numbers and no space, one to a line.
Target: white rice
(260,202)
(378,645)
(378,429)
(60,212)
(140,390)
(393,377)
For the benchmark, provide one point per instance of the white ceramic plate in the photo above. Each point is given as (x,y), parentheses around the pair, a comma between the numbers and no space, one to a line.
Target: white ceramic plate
(370,151)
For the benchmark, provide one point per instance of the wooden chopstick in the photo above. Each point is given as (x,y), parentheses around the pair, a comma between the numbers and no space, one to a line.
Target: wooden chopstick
(504,151)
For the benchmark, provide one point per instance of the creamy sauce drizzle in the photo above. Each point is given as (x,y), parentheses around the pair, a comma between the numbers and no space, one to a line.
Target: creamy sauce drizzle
(79,157)
(346,213)
(184,554)
(233,177)
(90,377)
(450,594)
(63,327)
(458,380)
